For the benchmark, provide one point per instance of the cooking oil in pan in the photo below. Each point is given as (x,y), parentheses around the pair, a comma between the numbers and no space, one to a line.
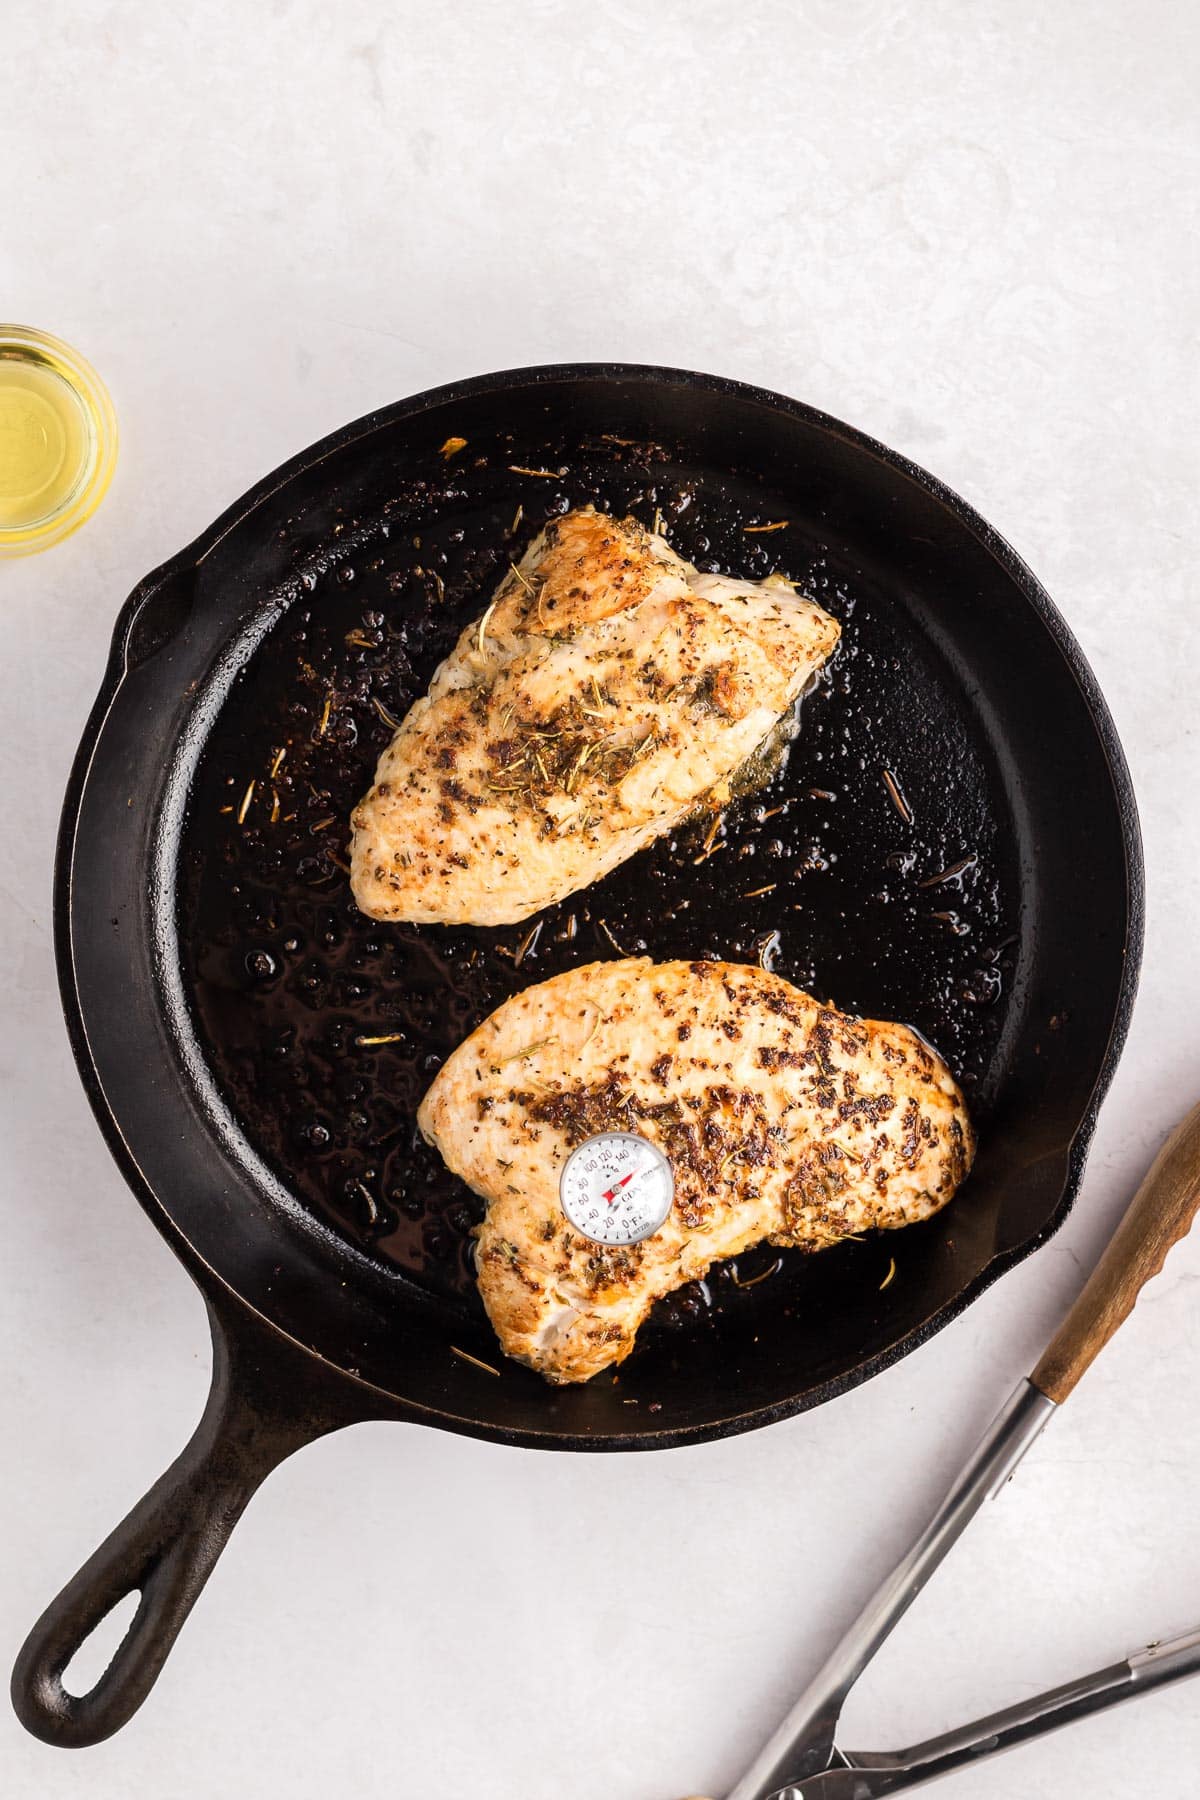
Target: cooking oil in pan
(57,440)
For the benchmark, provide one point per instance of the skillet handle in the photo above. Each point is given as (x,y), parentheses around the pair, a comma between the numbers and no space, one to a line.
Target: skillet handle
(168,1545)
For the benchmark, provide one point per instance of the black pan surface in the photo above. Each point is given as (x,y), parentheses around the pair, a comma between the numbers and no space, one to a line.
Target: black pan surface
(950,840)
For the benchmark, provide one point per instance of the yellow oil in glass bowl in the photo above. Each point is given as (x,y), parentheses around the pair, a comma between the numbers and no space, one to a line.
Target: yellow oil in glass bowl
(58,440)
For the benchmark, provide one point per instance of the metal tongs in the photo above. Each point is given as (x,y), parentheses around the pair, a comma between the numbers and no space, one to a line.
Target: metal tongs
(802,1761)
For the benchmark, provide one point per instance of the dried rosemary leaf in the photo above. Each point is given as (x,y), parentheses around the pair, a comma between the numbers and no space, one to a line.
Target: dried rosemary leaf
(466,1356)
(527,1050)
(483,625)
(896,797)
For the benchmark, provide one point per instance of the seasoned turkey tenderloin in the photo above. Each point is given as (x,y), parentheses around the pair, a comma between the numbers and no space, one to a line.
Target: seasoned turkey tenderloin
(606,690)
(781,1119)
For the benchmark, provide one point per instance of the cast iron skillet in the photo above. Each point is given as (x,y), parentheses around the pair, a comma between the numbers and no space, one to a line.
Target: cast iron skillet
(951,841)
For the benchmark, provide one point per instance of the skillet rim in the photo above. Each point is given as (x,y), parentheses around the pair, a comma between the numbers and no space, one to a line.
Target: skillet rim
(226,1298)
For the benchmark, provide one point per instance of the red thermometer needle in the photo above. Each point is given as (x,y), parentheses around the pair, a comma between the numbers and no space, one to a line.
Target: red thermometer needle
(612,1192)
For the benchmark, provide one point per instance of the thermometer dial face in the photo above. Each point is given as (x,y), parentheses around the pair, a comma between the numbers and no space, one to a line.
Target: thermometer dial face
(616,1188)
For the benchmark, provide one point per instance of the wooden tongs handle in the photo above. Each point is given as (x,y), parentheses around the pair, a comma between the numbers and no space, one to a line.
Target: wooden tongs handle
(1160,1213)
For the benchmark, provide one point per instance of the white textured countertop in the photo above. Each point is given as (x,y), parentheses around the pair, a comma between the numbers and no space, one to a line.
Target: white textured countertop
(969,229)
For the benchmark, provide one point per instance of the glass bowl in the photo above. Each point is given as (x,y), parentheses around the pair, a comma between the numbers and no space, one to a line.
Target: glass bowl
(58,440)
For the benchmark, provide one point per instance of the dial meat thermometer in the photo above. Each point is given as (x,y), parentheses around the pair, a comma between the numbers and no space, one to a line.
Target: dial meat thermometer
(616,1188)
(802,1761)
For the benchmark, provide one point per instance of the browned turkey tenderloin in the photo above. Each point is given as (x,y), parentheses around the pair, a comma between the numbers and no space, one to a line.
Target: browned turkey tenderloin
(606,690)
(782,1119)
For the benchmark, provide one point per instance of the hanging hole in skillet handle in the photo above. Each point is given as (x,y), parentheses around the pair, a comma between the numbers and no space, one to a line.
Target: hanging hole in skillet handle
(165,1550)
(98,1649)
(1159,1215)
